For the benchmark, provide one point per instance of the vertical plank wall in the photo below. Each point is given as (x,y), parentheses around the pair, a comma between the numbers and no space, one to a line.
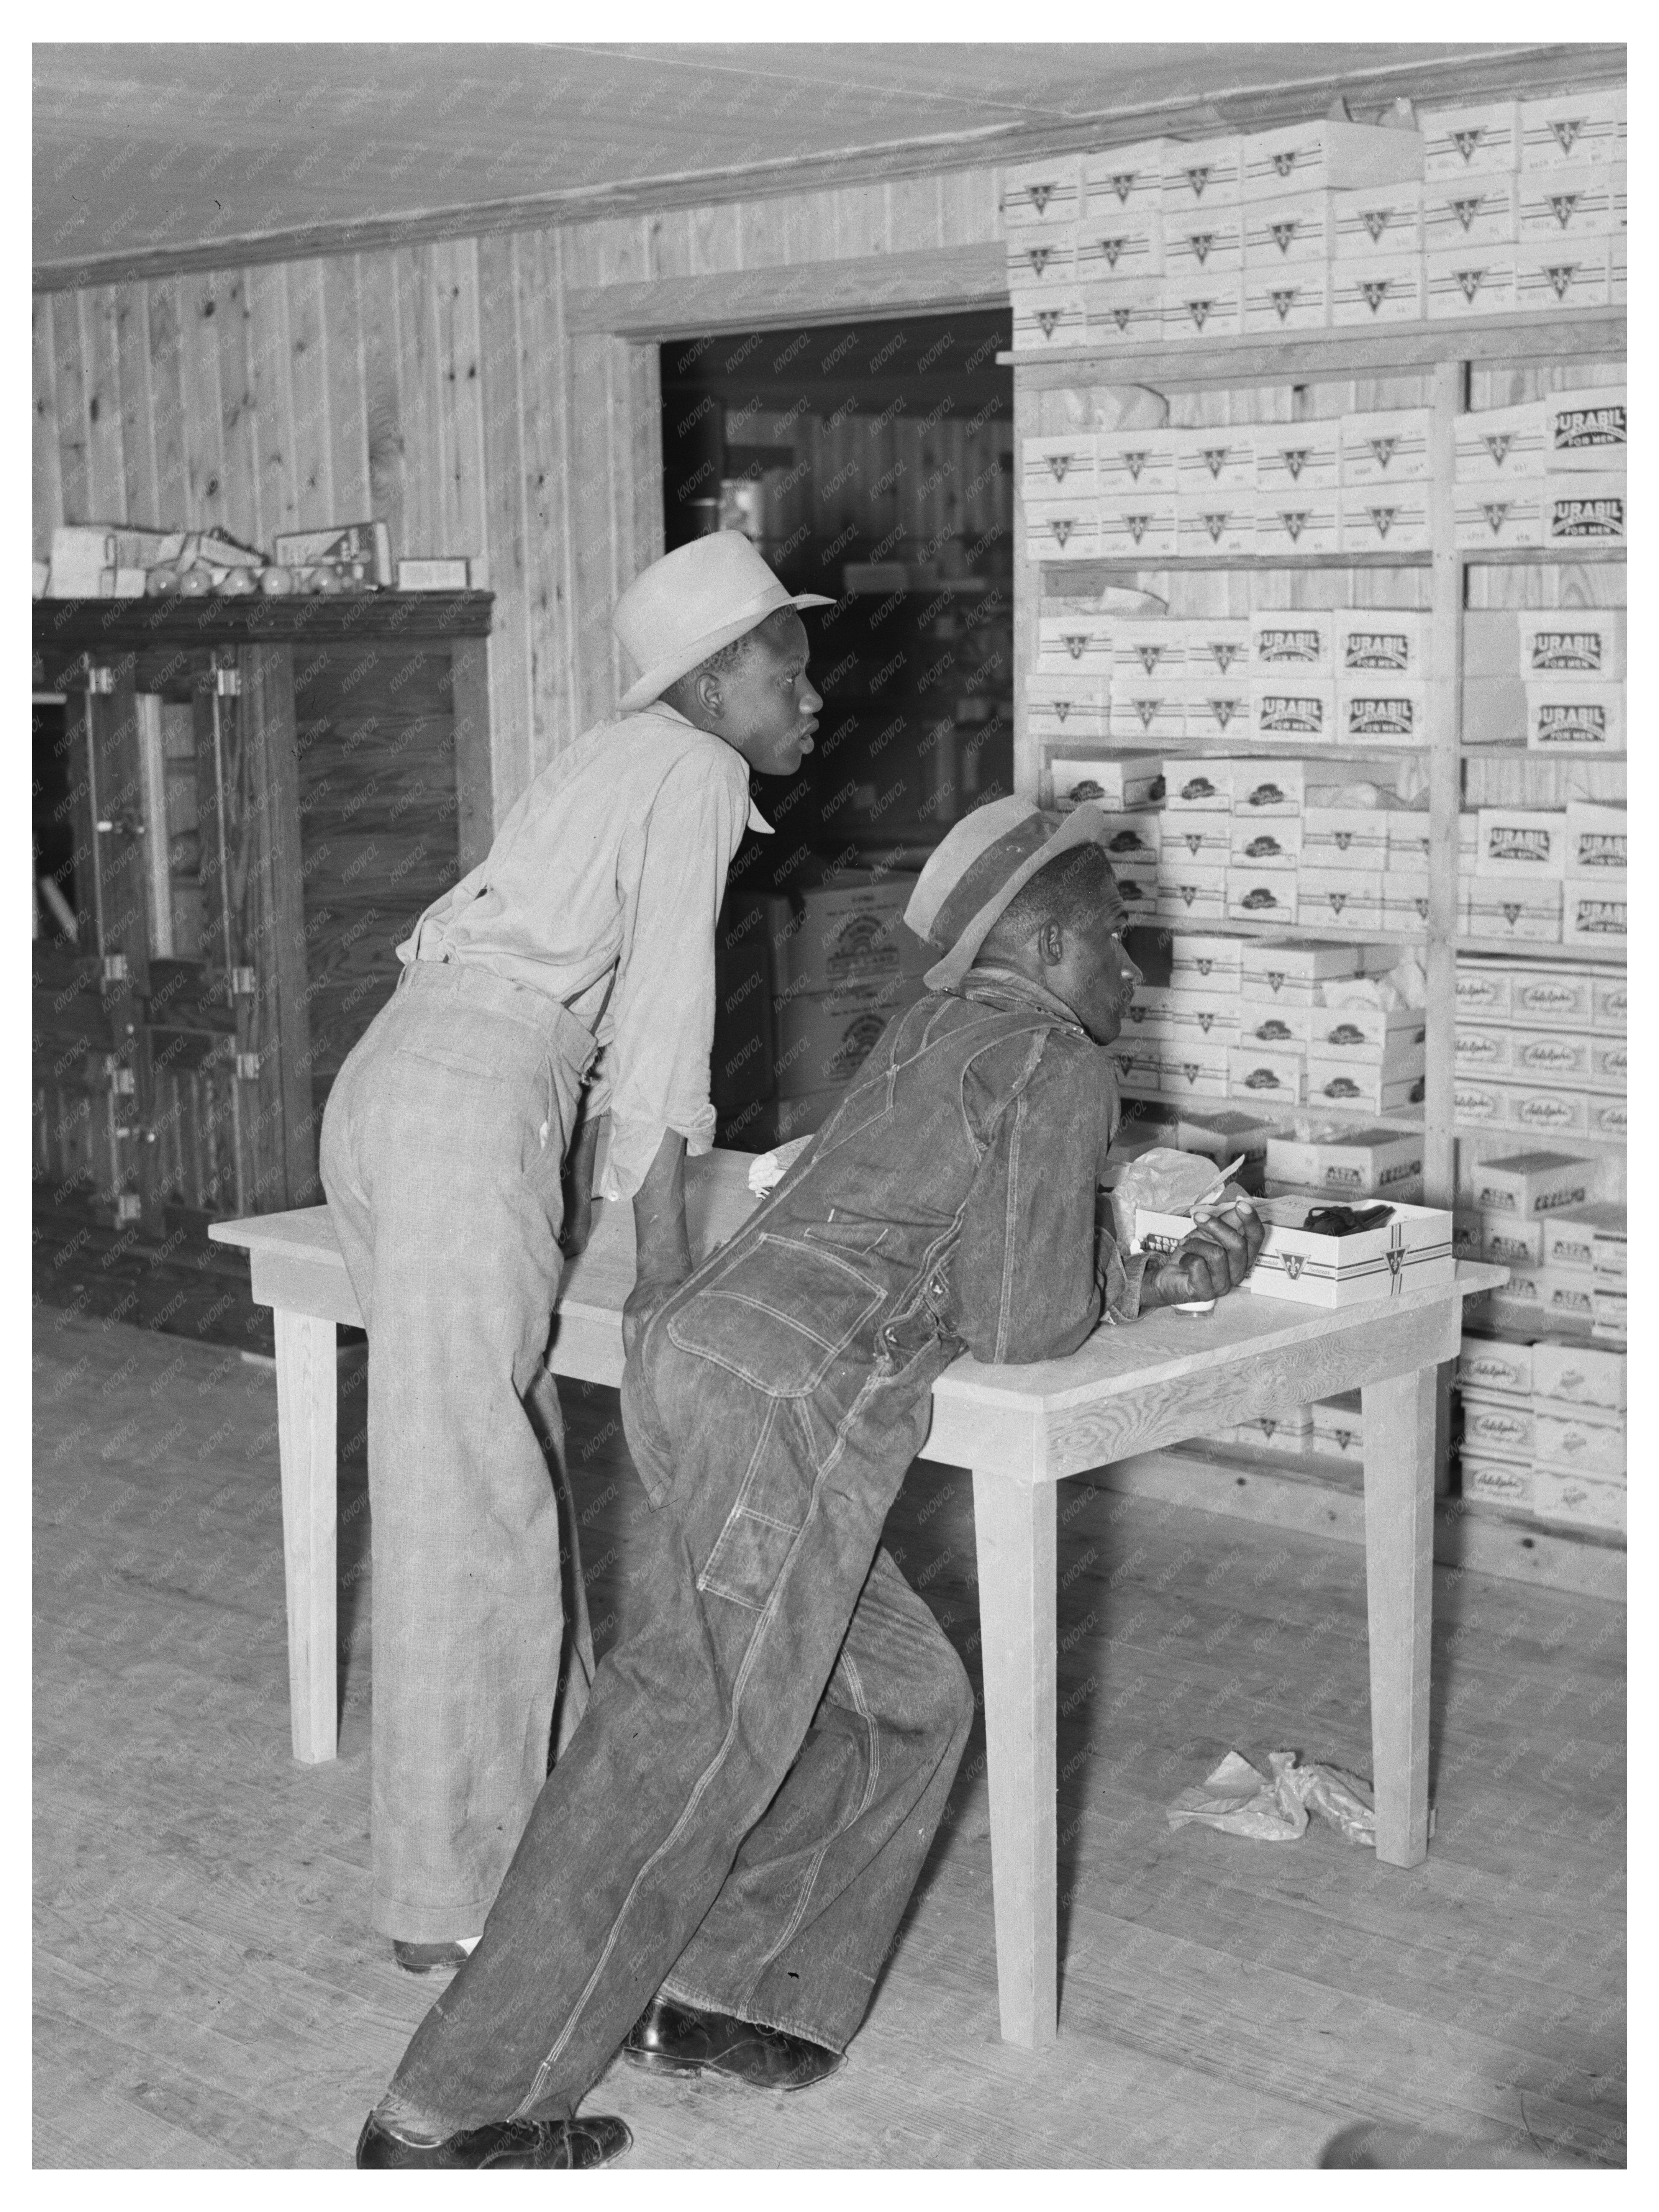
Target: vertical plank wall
(435,386)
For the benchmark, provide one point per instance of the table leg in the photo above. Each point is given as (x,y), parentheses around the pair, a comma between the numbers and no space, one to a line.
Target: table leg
(1014,1528)
(1399,1597)
(306,1383)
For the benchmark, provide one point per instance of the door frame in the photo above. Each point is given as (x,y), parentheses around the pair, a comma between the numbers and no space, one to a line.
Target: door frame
(614,385)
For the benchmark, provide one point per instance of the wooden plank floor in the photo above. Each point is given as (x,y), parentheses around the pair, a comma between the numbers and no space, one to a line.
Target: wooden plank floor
(208,1991)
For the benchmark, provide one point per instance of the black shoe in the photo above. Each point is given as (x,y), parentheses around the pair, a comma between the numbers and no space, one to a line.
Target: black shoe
(595,2139)
(429,1958)
(674,2039)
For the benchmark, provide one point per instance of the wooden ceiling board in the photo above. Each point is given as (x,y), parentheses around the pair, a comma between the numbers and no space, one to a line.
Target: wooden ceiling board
(153,155)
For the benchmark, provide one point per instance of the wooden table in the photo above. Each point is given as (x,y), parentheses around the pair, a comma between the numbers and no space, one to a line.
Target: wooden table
(1022,1430)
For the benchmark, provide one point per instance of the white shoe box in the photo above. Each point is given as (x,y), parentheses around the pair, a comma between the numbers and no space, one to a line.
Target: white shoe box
(1471,140)
(1579,1500)
(1128,313)
(1385,519)
(1042,257)
(1155,649)
(1205,174)
(1063,708)
(1201,963)
(1495,1363)
(1609,999)
(1045,320)
(1493,445)
(1593,913)
(1294,299)
(1195,1019)
(1274,970)
(1310,523)
(1369,641)
(1137,528)
(1058,470)
(1464,212)
(1044,193)
(1328,155)
(1297,707)
(1496,1427)
(1481,1050)
(1586,431)
(1520,844)
(1117,783)
(1597,843)
(1391,1037)
(1294,456)
(1203,306)
(1551,997)
(1551,1056)
(1288,231)
(1375,222)
(1342,837)
(1192,894)
(1345,897)
(1194,1073)
(1576,714)
(1198,785)
(1519,914)
(1273,1027)
(1576,1375)
(1510,1243)
(1369,294)
(1219,709)
(1567,130)
(1488,517)
(1134,464)
(1148,711)
(1274,843)
(1352,1083)
(1506,1483)
(1114,247)
(1217,459)
(1276,1078)
(1218,645)
(1075,645)
(1564,207)
(1210,524)
(1291,640)
(1126,180)
(1463,283)
(1572,641)
(1064,531)
(1585,510)
(1385,446)
(1554,279)
(1255,894)
(1269,788)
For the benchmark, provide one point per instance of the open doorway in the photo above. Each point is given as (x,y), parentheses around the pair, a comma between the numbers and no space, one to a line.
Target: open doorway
(871,461)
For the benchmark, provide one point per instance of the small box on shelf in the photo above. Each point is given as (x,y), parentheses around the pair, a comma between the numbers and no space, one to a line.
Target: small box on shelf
(1195,894)
(1585,510)
(1567,130)
(1493,445)
(1520,844)
(1572,641)
(1345,896)
(1309,522)
(1385,446)
(1115,782)
(1291,640)
(1079,645)
(1462,213)
(1204,175)
(1261,894)
(1214,459)
(1327,153)
(1137,527)
(1562,207)
(1067,533)
(1294,299)
(1491,517)
(1575,714)
(1385,519)
(1524,1184)
(1344,1082)
(1042,194)
(1044,321)
(1463,283)
(1272,843)
(1115,247)
(1412,1250)
(1516,912)
(1127,180)
(1127,312)
(1058,470)
(1043,257)
(1289,232)
(1593,913)
(1500,1363)
(1300,707)
(1555,280)
(1215,522)
(1206,306)
(1276,1078)
(1292,456)
(1382,641)
(1132,465)
(1472,140)
(1586,430)
(1371,222)
(1597,842)
(1366,295)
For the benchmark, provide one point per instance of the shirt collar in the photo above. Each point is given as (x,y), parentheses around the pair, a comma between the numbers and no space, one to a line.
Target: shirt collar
(660,707)
(986,982)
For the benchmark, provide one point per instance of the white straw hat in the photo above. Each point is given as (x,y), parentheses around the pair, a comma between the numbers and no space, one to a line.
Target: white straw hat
(691,603)
(972,875)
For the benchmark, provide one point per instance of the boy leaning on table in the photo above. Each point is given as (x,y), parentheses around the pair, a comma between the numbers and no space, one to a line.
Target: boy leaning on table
(587,934)
(716,1867)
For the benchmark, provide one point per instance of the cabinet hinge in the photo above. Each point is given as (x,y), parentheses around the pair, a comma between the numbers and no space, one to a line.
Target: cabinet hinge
(128,1208)
(99,679)
(122,1082)
(248,1066)
(114,967)
(243,983)
(228,679)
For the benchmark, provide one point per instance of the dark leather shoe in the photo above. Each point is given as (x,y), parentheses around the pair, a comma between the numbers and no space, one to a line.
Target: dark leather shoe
(429,1958)
(594,2139)
(675,2038)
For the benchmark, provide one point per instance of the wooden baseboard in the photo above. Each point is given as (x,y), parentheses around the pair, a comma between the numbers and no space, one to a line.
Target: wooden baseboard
(1268,1488)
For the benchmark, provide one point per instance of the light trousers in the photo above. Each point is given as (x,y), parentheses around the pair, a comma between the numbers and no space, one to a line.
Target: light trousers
(441,1152)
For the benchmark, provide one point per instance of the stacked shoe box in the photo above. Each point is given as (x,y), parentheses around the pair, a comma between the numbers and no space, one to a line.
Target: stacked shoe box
(1215,237)
(1546,472)
(1331,1430)
(1541,1050)
(1505,207)
(1546,875)
(1515,1198)
(1524,205)
(1544,1428)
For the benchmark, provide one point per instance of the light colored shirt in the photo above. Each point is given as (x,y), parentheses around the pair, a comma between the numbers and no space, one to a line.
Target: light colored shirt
(602,890)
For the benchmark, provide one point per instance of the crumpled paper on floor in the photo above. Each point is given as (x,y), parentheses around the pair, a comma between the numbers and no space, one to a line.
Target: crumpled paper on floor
(1241,1801)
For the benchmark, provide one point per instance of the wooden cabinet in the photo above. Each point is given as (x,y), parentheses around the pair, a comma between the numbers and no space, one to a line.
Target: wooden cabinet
(264,795)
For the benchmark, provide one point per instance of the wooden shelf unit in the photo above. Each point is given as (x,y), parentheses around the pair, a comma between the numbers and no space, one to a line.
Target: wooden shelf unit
(1444,354)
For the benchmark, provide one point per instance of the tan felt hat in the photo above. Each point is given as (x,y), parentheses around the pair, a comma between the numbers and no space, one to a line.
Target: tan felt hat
(691,603)
(972,876)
